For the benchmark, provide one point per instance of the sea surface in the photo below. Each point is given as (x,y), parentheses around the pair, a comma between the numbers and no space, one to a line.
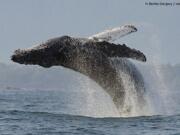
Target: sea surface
(53,112)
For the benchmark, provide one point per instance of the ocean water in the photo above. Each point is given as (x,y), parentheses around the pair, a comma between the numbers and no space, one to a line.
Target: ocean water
(59,112)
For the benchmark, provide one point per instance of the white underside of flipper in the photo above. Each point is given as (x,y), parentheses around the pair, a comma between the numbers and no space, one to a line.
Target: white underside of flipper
(111,35)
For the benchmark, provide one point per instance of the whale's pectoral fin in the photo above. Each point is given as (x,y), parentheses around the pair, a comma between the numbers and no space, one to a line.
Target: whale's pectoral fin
(113,50)
(111,35)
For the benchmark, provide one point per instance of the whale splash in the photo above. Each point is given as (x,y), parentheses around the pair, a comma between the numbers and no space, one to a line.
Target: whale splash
(134,101)
(96,57)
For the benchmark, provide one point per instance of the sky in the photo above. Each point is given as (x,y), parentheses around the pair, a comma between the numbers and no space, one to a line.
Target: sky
(24,23)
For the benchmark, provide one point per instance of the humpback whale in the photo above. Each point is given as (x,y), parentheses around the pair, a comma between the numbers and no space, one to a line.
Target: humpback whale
(96,57)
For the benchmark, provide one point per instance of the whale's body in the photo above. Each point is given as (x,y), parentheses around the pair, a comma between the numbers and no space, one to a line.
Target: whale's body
(96,59)
(91,58)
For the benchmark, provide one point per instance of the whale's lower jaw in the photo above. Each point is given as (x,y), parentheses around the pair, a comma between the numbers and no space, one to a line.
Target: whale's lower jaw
(90,58)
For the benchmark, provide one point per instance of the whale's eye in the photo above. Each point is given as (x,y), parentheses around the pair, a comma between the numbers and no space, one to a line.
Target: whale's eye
(61,55)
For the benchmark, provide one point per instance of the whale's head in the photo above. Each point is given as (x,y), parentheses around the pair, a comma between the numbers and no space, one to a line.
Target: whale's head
(53,52)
